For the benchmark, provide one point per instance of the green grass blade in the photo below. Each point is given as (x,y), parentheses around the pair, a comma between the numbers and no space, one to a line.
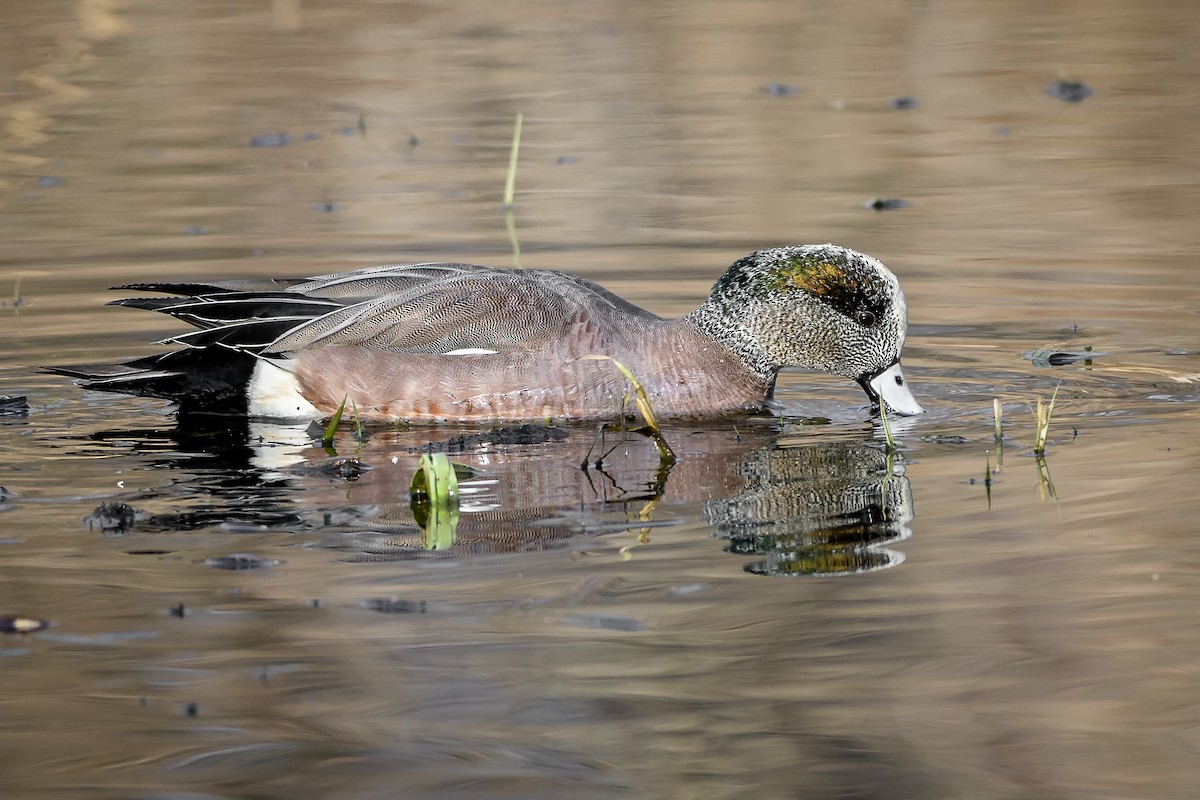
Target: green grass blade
(331,428)
(510,185)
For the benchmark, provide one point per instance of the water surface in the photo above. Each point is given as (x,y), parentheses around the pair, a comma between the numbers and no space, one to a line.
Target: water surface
(787,612)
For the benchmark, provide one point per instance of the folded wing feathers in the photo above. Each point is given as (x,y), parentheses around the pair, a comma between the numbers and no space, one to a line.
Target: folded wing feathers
(251,334)
(433,307)
(215,311)
(460,312)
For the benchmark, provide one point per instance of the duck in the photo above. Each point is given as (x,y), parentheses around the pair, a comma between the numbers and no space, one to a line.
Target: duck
(463,343)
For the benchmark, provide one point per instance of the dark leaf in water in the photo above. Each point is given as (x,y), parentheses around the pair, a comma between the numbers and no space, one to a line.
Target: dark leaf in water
(16,623)
(394,605)
(1069,91)
(886,204)
(239,562)
(904,103)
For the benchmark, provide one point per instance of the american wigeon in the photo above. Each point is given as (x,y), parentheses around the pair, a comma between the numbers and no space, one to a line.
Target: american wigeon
(458,342)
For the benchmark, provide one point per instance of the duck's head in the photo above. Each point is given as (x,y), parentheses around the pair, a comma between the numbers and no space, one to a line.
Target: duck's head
(822,307)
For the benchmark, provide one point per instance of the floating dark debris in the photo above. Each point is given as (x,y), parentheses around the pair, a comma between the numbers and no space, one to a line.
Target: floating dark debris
(13,405)
(520,435)
(886,204)
(904,103)
(781,89)
(240,562)
(1069,91)
(945,439)
(116,517)
(610,622)
(16,623)
(1058,358)
(346,468)
(271,140)
(394,605)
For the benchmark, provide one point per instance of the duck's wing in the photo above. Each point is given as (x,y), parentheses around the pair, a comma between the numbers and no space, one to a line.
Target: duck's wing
(465,310)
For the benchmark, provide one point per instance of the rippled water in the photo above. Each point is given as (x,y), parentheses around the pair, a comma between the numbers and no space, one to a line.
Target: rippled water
(785,613)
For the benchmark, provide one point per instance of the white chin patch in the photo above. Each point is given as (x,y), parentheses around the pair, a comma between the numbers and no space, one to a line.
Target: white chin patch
(892,388)
(274,392)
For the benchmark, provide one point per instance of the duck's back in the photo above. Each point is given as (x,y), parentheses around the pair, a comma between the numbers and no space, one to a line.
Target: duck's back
(443,308)
(429,308)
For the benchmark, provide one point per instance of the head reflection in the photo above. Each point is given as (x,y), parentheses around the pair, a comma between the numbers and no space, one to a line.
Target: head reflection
(823,509)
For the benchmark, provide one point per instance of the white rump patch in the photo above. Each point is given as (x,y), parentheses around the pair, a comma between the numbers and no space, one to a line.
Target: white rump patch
(274,392)
(472,351)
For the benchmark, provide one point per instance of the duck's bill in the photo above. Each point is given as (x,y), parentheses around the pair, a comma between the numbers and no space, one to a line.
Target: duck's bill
(891,387)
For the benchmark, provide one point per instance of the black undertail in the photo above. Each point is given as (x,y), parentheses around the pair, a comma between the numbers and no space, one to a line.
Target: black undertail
(209,372)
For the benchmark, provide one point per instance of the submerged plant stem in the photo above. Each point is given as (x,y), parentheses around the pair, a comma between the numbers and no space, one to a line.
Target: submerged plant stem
(1043,414)
(510,188)
(887,429)
(511,183)
(642,401)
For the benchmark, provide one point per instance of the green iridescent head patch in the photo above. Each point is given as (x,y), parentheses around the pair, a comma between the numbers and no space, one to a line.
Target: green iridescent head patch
(847,285)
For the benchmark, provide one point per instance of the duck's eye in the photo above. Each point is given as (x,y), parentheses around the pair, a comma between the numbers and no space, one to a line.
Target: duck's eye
(865,318)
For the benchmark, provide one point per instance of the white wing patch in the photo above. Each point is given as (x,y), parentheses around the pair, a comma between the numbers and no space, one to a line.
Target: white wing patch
(472,351)
(274,392)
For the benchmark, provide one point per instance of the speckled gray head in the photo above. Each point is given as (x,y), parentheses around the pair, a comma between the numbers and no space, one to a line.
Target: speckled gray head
(822,307)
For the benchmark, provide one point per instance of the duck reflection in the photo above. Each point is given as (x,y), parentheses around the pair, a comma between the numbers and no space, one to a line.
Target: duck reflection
(816,509)
(811,507)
